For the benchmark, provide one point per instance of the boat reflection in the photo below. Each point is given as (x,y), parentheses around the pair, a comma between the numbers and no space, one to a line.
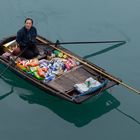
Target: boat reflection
(79,115)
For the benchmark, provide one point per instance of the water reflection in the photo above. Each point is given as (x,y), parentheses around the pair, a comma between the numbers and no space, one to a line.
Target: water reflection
(7,94)
(105,50)
(79,115)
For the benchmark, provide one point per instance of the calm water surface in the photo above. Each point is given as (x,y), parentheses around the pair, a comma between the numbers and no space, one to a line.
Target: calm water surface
(27,112)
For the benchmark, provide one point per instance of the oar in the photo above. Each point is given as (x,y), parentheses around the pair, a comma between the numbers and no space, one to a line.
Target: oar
(87,42)
(12,61)
(92,67)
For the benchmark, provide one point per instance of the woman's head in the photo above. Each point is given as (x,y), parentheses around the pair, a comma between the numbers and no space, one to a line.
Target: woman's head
(28,23)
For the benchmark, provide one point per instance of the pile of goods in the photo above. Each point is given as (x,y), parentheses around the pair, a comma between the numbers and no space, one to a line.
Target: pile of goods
(10,48)
(48,69)
(89,86)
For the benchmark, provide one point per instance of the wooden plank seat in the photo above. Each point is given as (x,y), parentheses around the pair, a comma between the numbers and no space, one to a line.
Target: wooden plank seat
(65,83)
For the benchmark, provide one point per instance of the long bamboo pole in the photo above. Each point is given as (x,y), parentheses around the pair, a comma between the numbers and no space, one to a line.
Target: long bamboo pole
(92,67)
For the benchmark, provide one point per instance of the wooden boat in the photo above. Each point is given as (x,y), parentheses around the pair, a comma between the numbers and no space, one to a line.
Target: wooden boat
(63,85)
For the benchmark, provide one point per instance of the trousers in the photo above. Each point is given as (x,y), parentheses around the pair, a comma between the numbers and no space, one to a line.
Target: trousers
(30,52)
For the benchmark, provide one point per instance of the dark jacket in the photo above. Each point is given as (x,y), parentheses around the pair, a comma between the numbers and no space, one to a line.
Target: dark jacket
(25,37)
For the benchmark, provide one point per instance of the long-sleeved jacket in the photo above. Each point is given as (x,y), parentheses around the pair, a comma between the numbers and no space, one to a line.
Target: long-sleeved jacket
(25,37)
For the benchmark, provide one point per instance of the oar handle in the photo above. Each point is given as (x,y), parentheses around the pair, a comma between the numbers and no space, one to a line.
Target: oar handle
(85,42)
(130,88)
(89,42)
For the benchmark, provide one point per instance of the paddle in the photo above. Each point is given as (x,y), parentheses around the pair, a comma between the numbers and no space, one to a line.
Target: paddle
(92,67)
(12,61)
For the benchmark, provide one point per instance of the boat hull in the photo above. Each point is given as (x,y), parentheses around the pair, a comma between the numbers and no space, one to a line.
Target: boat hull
(51,87)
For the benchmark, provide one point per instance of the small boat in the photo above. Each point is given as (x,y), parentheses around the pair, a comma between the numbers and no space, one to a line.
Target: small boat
(75,83)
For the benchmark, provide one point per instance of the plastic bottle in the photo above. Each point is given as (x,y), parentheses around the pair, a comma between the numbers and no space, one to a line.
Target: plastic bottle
(64,56)
(60,54)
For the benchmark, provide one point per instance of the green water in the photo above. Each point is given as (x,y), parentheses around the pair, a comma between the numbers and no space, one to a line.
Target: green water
(28,113)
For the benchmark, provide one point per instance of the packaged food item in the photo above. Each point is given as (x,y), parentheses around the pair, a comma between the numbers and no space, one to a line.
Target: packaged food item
(41,72)
(49,78)
(68,65)
(56,65)
(53,68)
(37,76)
(45,69)
(73,62)
(63,66)
(77,63)
(23,65)
(34,69)
(56,52)
(53,55)
(60,72)
(33,62)
(44,64)
(6,55)
(55,72)
(64,56)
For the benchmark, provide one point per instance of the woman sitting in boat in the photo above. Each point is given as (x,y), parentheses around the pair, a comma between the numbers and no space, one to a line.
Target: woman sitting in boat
(26,38)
